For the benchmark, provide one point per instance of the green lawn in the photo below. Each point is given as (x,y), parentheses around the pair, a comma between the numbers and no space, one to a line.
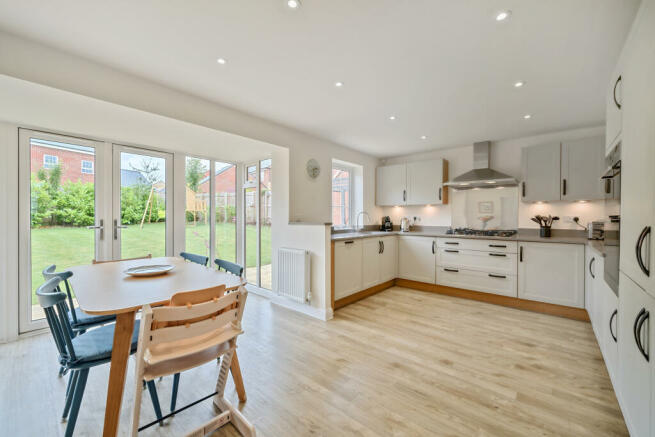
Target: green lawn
(69,246)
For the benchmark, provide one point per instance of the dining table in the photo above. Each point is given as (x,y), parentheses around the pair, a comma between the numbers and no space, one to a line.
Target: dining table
(105,288)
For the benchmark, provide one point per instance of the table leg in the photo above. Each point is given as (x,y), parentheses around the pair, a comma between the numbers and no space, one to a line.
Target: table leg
(238,378)
(117,370)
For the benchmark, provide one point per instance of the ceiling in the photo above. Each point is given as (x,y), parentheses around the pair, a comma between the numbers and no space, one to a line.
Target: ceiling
(444,68)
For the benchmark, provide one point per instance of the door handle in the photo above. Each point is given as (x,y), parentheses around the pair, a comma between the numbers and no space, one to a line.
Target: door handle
(563,187)
(451,270)
(404,195)
(100,227)
(611,331)
(498,245)
(452,243)
(433,243)
(379,246)
(451,250)
(638,247)
(521,253)
(439,193)
(116,228)
(491,275)
(616,102)
(497,254)
(639,323)
(591,263)
(382,246)
(523,189)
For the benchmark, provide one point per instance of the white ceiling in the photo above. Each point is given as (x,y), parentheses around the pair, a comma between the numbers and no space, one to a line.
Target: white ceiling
(444,68)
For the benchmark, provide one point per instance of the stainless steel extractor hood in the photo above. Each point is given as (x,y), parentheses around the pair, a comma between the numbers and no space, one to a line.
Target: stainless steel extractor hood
(481,176)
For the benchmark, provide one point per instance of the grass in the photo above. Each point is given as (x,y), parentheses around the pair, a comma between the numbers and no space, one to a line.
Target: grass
(70,246)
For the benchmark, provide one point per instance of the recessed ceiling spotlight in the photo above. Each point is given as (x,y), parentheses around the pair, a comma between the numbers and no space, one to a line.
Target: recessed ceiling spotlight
(293,4)
(503,15)
(392,117)
(527,116)
(338,84)
(221,61)
(424,137)
(519,84)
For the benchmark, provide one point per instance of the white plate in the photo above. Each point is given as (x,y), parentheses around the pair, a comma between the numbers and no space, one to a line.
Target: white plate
(151,270)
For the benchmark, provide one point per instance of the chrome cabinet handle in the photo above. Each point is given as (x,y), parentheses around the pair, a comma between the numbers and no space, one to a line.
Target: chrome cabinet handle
(100,227)
(640,243)
(636,329)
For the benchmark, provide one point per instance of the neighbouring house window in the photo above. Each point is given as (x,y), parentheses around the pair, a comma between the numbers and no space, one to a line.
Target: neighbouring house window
(50,161)
(342,196)
(87,167)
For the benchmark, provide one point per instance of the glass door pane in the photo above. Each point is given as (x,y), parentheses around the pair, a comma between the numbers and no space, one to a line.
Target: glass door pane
(198,188)
(58,204)
(251,216)
(265,212)
(142,195)
(226,211)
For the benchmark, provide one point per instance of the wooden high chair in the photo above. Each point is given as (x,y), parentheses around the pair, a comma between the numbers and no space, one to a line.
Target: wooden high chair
(173,339)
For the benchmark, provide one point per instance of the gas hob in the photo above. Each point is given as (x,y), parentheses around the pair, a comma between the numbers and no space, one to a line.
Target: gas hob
(506,233)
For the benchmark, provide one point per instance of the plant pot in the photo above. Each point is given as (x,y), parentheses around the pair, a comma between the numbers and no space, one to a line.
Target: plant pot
(544,232)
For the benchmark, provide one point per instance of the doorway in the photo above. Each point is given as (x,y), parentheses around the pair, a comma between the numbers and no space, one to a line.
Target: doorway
(257,212)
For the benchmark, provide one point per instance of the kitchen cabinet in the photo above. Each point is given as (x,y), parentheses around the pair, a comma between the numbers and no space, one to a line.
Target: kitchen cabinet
(590,260)
(635,369)
(613,114)
(485,282)
(347,267)
(378,261)
(536,277)
(541,172)
(417,258)
(583,163)
(391,185)
(425,182)
(608,320)
(389,259)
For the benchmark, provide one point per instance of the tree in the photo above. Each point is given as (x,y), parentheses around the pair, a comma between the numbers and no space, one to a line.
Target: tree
(149,169)
(52,177)
(195,171)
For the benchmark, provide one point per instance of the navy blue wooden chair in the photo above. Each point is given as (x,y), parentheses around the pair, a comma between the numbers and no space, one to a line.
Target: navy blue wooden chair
(198,259)
(228,266)
(79,320)
(79,353)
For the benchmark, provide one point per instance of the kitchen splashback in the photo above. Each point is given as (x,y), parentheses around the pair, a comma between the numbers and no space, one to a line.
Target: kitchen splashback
(487,208)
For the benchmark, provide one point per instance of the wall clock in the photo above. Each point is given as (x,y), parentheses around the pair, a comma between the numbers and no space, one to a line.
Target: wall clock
(313,168)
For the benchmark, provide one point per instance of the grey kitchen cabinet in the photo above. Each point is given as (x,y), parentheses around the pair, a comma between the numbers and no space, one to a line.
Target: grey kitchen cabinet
(541,172)
(583,163)
(425,182)
(391,185)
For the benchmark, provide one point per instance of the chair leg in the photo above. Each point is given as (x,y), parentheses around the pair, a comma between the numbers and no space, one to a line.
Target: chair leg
(62,371)
(155,401)
(137,407)
(77,401)
(176,384)
(72,383)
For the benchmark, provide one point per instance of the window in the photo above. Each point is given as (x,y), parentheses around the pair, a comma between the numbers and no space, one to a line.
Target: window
(87,167)
(50,161)
(342,196)
(198,187)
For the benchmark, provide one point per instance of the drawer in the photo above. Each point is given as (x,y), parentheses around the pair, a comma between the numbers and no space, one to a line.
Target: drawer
(474,244)
(492,262)
(477,281)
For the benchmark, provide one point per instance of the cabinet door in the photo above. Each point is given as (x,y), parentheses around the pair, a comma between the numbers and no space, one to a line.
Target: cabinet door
(391,185)
(417,258)
(609,339)
(598,301)
(541,172)
(583,163)
(634,369)
(425,182)
(389,259)
(613,115)
(552,273)
(371,254)
(590,260)
(347,268)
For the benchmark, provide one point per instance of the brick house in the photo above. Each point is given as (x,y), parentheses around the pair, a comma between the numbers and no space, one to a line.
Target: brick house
(77,163)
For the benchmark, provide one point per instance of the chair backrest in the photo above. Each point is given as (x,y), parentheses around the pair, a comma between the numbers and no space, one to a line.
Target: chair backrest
(195,330)
(228,266)
(198,259)
(53,302)
(49,273)
(148,256)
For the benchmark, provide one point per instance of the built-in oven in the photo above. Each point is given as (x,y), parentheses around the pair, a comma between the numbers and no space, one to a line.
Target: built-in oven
(612,181)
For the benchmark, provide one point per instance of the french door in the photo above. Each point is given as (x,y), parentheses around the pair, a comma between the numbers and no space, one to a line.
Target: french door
(80,200)
(257,200)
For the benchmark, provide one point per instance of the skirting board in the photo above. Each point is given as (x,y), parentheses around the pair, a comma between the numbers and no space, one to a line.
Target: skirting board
(513,302)
(317,313)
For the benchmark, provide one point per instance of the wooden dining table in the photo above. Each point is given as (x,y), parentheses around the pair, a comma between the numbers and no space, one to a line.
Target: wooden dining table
(104,288)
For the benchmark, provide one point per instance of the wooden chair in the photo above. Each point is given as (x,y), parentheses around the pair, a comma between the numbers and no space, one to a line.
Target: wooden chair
(198,259)
(177,338)
(78,354)
(148,256)
(228,266)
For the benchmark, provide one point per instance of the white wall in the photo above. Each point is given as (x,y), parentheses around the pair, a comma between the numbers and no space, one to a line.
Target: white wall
(505,156)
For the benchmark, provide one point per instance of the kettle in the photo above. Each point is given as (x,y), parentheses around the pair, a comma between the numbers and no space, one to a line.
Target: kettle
(404,224)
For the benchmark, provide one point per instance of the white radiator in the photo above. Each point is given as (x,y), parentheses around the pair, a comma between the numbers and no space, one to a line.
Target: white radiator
(293,274)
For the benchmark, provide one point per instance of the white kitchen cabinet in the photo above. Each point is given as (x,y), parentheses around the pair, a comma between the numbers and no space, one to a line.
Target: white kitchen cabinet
(347,268)
(417,258)
(598,299)
(635,370)
(537,279)
(485,282)
(425,182)
(541,172)
(613,114)
(389,259)
(583,163)
(590,260)
(371,250)
(391,185)
(490,262)
(609,321)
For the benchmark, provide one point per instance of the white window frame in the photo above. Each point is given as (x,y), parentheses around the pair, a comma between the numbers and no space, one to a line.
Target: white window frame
(92,167)
(45,161)
(351,190)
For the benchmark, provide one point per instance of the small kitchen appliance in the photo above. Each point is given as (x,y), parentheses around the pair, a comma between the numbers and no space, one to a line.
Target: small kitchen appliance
(596,230)
(404,224)
(387,226)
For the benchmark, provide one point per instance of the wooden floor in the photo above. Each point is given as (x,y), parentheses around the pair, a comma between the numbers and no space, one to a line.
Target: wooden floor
(400,363)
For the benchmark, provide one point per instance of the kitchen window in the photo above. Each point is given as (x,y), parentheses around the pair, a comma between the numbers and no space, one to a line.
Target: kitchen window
(87,167)
(342,195)
(50,161)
